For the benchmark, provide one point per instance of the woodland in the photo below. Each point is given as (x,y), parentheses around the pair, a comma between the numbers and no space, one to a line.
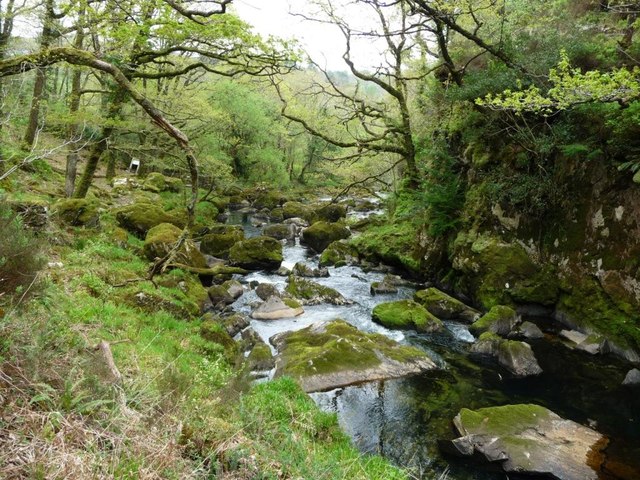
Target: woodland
(494,149)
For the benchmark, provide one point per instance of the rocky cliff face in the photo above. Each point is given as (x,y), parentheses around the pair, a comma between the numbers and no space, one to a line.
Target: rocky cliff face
(581,260)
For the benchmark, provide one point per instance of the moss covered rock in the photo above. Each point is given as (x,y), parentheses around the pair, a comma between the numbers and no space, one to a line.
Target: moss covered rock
(529,439)
(258,253)
(302,270)
(493,269)
(395,244)
(339,254)
(139,218)
(261,357)
(78,212)
(156,182)
(517,357)
(280,231)
(233,323)
(445,306)
(331,213)
(319,235)
(219,244)
(161,239)
(500,320)
(297,210)
(407,315)
(312,293)
(334,354)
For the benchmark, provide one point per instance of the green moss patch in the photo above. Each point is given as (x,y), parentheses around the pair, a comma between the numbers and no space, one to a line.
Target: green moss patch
(405,314)
(258,253)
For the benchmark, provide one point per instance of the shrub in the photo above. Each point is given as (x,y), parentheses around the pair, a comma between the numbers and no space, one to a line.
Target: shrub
(20,255)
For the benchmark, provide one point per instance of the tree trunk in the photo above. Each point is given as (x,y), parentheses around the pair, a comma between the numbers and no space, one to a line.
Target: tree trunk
(111,165)
(41,79)
(74,106)
(100,145)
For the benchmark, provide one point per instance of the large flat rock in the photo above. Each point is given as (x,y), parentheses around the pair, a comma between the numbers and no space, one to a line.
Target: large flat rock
(334,354)
(530,439)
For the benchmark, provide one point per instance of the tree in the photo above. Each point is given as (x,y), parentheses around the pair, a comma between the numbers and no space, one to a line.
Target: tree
(373,124)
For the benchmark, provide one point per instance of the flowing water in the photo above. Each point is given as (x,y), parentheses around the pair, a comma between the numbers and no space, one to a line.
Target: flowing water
(403,419)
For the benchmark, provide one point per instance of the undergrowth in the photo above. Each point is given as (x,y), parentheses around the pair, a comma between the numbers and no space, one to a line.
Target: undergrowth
(179,406)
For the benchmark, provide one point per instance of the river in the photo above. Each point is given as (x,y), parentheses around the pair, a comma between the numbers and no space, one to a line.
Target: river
(404,419)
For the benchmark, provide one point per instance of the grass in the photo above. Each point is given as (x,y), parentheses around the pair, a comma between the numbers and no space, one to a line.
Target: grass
(183,408)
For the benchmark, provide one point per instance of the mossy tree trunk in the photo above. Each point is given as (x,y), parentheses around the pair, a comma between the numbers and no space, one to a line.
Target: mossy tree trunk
(74,106)
(41,78)
(100,145)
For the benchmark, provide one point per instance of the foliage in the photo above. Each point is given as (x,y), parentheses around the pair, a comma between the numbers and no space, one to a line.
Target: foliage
(570,87)
(20,255)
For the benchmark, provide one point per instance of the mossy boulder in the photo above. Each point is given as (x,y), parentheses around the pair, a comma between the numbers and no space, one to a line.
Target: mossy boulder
(156,182)
(334,354)
(269,199)
(297,210)
(213,332)
(261,357)
(500,320)
(517,357)
(331,213)
(319,235)
(280,231)
(398,244)
(266,290)
(529,439)
(78,212)
(445,306)
(161,239)
(257,253)
(493,268)
(339,254)
(139,218)
(312,293)
(220,296)
(302,270)
(219,244)
(233,323)
(406,315)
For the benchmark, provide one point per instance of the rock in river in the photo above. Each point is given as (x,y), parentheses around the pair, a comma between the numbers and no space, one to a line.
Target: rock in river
(257,253)
(328,355)
(275,308)
(517,357)
(499,320)
(405,314)
(445,306)
(529,439)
